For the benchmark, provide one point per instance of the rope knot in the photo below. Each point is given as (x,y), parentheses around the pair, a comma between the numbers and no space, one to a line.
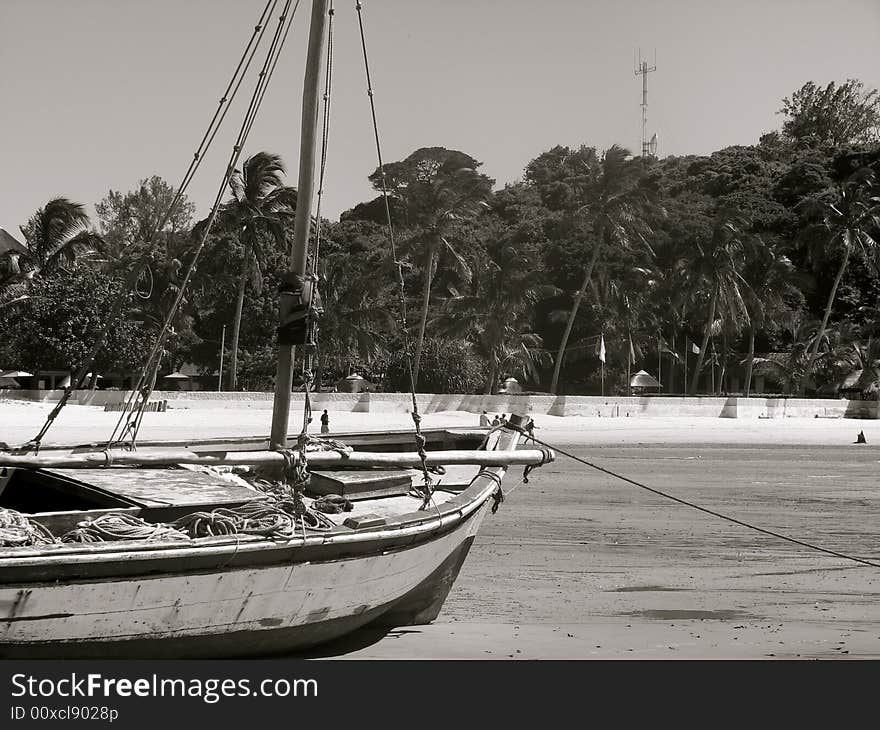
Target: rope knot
(498,498)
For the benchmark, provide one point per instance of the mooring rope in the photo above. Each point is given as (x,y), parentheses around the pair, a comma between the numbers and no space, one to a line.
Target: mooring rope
(692,505)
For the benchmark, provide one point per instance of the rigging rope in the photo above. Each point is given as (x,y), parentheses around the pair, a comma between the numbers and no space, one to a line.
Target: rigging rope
(143,251)
(132,418)
(16,530)
(686,503)
(407,345)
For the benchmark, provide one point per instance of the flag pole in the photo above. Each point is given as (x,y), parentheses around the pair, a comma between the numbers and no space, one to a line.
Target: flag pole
(672,371)
(222,346)
(629,363)
(686,349)
(659,363)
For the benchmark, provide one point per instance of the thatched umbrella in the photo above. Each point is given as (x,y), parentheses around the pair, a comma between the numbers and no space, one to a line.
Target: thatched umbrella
(643,379)
(866,381)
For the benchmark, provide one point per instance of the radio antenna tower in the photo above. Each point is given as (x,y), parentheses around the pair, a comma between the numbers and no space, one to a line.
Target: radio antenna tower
(649,147)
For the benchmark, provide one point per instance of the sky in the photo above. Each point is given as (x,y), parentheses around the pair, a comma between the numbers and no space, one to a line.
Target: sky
(98,94)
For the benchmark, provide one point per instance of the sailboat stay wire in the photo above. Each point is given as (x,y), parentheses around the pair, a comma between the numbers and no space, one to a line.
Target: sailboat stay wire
(134,417)
(137,269)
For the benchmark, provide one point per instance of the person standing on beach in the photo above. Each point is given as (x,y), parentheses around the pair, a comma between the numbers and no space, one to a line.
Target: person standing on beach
(484,419)
(325,422)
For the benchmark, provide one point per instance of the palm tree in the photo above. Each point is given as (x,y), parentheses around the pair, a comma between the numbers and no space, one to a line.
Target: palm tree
(260,206)
(496,316)
(613,210)
(853,358)
(771,278)
(56,235)
(850,220)
(436,250)
(435,189)
(790,369)
(621,295)
(353,325)
(716,272)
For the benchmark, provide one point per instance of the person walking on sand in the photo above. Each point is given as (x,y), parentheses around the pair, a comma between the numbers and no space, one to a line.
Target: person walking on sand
(325,422)
(484,419)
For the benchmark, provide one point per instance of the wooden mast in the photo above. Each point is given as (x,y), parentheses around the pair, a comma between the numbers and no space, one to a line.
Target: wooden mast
(302,225)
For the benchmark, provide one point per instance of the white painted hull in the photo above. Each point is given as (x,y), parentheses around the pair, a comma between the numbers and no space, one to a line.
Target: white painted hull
(296,604)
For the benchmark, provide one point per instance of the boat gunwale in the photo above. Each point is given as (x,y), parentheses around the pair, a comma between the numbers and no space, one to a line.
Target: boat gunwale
(396,527)
(440,432)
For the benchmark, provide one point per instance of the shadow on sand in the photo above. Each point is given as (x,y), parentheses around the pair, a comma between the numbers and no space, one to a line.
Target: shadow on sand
(356,640)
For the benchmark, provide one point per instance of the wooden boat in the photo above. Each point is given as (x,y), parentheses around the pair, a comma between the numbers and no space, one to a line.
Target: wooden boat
(386,562)
(199,562)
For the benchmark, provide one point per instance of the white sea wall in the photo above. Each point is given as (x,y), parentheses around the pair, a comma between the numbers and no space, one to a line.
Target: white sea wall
(563,405)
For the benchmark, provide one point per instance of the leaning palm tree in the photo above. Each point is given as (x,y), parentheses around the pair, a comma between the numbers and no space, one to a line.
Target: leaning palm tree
(56,235)
(354,324)
(496,315)
(613,209)
(853,359)
(434,189)
(772,286)
(260,206)
(790,368)
(622,298)
(850,221)
(433,249)
(716,272)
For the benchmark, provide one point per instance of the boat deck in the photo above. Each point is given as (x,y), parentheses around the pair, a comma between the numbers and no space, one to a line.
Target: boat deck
(192,488)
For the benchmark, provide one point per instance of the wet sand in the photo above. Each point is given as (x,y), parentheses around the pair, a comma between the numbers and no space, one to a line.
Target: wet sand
(577,564)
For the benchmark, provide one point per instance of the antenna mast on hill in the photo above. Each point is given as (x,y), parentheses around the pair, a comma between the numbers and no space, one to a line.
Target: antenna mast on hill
(649,147)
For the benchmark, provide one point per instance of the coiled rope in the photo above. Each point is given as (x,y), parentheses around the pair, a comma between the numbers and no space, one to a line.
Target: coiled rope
(117,527)
(692,505)
(16,530)
(270,518)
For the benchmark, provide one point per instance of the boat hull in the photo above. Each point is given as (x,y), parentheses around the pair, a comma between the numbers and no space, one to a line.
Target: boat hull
(249,611)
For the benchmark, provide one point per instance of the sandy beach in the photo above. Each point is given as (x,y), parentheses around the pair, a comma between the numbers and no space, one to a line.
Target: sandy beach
(579,565)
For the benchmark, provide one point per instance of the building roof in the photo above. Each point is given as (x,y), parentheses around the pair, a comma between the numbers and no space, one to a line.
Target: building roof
(643,379)
(8,243)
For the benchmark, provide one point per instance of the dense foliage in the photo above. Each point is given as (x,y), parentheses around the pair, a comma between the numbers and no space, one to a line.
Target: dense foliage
(752,267)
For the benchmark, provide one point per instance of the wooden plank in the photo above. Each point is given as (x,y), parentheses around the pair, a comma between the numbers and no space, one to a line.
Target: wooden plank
(160,457)
(362,484)
(394,440)
(161,487)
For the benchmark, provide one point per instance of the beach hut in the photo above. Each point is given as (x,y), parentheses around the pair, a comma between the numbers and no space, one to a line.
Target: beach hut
(9,378)
(354,383)
(860,385)
(643,381)
(511,387)
(86,382)
(176,381)
(9,245)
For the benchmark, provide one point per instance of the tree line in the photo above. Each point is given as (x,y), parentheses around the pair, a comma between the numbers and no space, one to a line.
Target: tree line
(755,259)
